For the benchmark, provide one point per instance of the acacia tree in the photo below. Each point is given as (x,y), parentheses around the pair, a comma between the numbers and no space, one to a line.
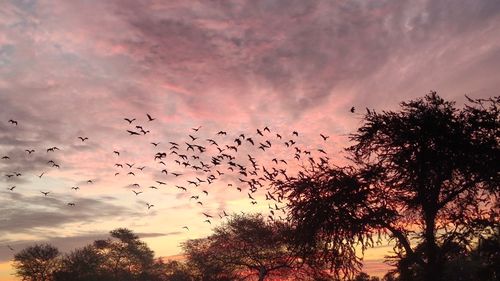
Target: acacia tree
(249,247)
(37,263)
(425,175)
(83,264)
(125,257)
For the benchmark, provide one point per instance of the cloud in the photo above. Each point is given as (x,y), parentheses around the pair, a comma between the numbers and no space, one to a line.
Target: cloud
(77,68)
(66,244)
(33,214)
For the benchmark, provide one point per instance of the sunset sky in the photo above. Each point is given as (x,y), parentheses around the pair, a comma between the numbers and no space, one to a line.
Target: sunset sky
(78,68)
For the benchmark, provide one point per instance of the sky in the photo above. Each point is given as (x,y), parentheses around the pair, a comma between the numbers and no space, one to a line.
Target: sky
(78,68)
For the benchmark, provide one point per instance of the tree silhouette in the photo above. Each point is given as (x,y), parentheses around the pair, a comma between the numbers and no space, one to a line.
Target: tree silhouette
(247,246)
(83,264)
(479,263)
(125,256)
(202,263)
(427,174)
(37,263)
(176,271)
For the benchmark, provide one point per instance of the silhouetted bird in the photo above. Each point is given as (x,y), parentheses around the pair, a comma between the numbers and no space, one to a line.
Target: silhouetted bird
(150,118)
(352,109)
(129,120)
(137,192)
(324,137)
(45,193)
(83,138)
(322,151)
(30,151)
(13,122)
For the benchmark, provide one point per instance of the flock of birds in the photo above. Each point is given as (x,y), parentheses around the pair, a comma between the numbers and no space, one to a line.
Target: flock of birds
(245,162)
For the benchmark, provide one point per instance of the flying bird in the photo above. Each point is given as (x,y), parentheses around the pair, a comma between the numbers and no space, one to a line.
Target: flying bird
(324,137)
(133,133)
(352,109)
(129,120)
(149,205)
(185,227)
(30,151)
(196,129)
(11,188)
(116,152)
(150,118)
(13,122)
(45,193)
(83,138)
(137,192)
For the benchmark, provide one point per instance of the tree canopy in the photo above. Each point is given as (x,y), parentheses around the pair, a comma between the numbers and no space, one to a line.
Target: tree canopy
(424,175)
(248,246)
(37,262)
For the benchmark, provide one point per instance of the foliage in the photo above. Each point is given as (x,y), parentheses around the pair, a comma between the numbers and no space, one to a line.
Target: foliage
(247,247)
(123,257)
(480,263)
(427,174)
(83,264)
(37,263)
